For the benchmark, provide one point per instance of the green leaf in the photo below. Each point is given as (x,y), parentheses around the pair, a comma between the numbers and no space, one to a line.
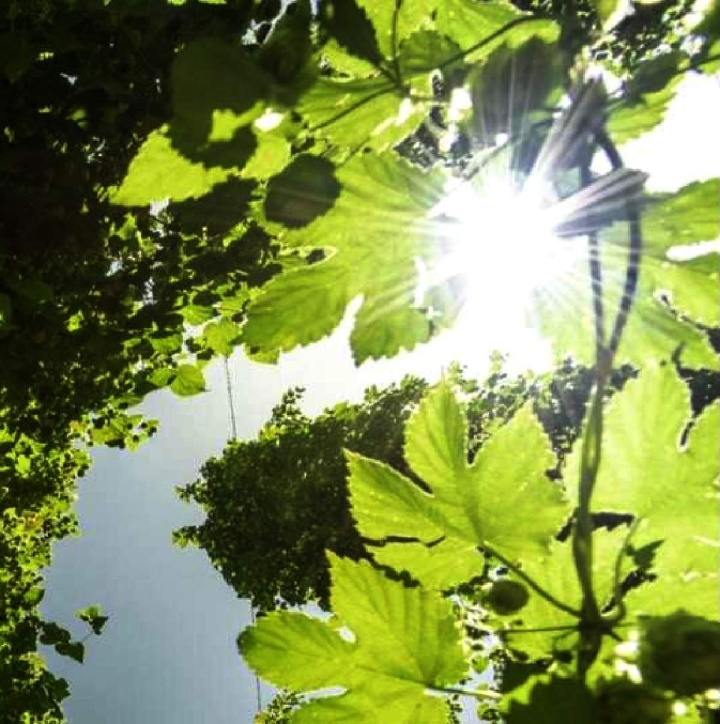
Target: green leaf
(52,634)
(221,336)
(644,471)
(511,84)
(369,112)
(188,381)
(404,642)
(160,172)
(687,216)
(293,650)
(73,649)
(393,26)
(93,617)
(540,627)
(197,314)
(304,190)
(382,197)
(426,50)
(217,94)
(217,90)
(469,23)
(351,28)
(672,223)
(440,566)
(646,99)
(502,500)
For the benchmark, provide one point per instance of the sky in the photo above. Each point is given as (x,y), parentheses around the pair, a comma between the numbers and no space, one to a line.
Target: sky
(168,654)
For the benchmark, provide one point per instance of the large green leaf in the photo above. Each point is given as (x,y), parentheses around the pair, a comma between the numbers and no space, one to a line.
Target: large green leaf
(502,501)
(376,229)
(562,308)
(404,641)
(220,336)
(644,471)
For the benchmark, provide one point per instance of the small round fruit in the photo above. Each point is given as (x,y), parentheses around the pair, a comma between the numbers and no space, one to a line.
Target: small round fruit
(506,597)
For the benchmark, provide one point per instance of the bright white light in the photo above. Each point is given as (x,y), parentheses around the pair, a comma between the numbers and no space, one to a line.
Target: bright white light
(502,243)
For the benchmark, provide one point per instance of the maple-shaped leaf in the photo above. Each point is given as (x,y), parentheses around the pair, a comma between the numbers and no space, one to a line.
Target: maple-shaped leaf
(645,471)
(404,642)
(563,309)
(374,233)
(501,501)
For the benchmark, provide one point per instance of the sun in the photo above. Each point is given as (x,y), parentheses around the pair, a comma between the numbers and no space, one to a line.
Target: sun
(500,242)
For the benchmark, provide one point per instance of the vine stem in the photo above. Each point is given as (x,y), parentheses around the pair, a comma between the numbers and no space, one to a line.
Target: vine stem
(592,620)
(532,583)
(477,693)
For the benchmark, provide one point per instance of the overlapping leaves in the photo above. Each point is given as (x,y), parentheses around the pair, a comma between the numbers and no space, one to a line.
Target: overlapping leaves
(646,472)
(501,502)
(404,641)
(375,231)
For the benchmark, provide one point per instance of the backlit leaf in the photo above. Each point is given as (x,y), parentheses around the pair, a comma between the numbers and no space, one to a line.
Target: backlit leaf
(404,641)
(375,230)
(188,381)
(502,500)
(220,336)
(644,471)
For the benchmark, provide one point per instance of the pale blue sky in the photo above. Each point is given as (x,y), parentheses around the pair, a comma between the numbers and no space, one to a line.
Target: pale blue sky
(168,654)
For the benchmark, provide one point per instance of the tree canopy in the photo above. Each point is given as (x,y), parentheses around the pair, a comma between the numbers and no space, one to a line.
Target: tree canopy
(178,178)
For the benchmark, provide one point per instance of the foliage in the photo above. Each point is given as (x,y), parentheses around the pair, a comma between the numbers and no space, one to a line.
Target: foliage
(301,157)
(266,537)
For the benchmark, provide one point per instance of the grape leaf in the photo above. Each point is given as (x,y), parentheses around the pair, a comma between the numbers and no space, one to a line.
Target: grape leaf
(699,595)
(376,229)
(351,28)
(511,84)
(502,500)
(159,171)
(426,50)
(304,190)
(404,642)
(188,381)
(562,308)
(644,472)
